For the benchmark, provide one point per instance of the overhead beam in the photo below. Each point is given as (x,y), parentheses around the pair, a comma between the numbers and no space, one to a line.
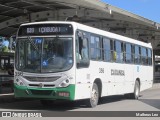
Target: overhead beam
(64,13)
(99,17)
(37,4)
(10,8)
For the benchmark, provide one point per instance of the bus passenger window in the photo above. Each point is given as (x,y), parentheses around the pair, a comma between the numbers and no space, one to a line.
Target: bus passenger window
(128,53)
(137,57)
(107,46)
(149,57)
(119,51)
(132,52)
(144,55)
(96,48)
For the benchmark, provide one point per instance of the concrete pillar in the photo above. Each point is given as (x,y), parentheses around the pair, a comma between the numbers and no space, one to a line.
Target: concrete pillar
(154,67)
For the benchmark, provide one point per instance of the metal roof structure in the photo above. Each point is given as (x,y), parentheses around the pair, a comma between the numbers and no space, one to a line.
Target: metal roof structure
(90,12)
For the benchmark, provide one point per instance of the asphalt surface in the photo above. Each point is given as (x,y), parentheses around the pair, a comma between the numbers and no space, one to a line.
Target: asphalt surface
(149,101)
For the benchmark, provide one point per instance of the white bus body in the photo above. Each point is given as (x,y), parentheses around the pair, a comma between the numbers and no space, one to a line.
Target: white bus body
(122,73)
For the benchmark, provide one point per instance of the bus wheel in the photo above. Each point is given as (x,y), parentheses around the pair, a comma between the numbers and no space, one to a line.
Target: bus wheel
(135,95)
(93,101)
(47,102)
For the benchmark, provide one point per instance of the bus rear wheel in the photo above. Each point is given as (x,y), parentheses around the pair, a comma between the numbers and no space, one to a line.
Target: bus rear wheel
(135,94)
(93,101)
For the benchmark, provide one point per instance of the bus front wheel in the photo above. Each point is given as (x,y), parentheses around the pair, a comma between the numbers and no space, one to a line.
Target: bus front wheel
(93,101)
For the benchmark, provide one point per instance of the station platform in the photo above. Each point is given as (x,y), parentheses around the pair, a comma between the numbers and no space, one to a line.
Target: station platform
(156,85)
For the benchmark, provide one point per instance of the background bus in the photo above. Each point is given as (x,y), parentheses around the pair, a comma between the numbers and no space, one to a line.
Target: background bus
(71,61)
(6,72)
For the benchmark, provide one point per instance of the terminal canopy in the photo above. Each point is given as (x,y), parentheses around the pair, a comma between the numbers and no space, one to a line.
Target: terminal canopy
(90,12)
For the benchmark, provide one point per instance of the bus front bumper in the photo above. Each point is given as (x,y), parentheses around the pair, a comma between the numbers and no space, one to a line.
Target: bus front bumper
(67,93)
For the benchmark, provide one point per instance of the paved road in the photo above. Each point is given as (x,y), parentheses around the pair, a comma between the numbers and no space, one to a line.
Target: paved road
(149,101)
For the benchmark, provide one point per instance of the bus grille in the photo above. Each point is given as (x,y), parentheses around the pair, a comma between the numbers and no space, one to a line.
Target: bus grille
(42,79)
(45,85)
(41,92)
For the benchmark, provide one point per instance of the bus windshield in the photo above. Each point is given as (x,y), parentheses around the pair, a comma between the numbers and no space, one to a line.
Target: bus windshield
(44,54)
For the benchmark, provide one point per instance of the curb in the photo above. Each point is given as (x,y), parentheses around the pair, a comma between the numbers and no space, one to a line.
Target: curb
(156,85)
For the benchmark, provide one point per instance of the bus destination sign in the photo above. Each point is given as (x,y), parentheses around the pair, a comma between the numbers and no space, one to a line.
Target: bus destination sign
(46,29)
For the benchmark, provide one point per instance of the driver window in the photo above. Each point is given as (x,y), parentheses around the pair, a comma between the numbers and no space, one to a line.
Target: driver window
(82,53)
(84,50)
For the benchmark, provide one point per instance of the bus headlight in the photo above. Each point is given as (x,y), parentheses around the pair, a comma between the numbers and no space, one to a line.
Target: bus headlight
(19,82)
(64,83)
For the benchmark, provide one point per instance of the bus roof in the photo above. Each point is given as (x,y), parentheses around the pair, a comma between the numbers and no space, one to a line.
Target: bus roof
(95,31)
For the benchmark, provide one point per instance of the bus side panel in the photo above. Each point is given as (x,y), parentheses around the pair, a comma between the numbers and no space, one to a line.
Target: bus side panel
(108,80)
(129,78)
(102,71)
(139,74)
(145,75)
(97,70)
(149,76)
(83,84)
(119,76)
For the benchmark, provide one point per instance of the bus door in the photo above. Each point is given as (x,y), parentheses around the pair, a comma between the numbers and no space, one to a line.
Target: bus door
(82,64)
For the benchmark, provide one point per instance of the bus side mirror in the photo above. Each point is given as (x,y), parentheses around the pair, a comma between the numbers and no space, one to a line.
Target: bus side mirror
(83,63)
(114,55)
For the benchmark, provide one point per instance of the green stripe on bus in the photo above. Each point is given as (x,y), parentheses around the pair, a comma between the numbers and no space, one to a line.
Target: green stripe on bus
(20,92)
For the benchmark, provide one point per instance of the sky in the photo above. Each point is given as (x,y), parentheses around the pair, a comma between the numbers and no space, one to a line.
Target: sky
(149,9)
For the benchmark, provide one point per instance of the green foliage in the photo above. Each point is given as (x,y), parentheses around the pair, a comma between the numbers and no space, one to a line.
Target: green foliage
(5,49)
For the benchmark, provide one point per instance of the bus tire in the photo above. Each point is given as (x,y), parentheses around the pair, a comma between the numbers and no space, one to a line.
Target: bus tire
(47,102)
(93,101)
(135,94)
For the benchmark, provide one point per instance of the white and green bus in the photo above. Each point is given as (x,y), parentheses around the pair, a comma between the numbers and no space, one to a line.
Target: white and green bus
(71,61)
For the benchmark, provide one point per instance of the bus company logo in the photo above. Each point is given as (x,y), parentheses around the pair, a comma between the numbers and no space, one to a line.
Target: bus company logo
(118,72)
(6,114)
(40,85)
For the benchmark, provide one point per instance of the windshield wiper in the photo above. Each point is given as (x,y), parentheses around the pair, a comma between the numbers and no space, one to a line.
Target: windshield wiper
(36,48)
(34,45)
